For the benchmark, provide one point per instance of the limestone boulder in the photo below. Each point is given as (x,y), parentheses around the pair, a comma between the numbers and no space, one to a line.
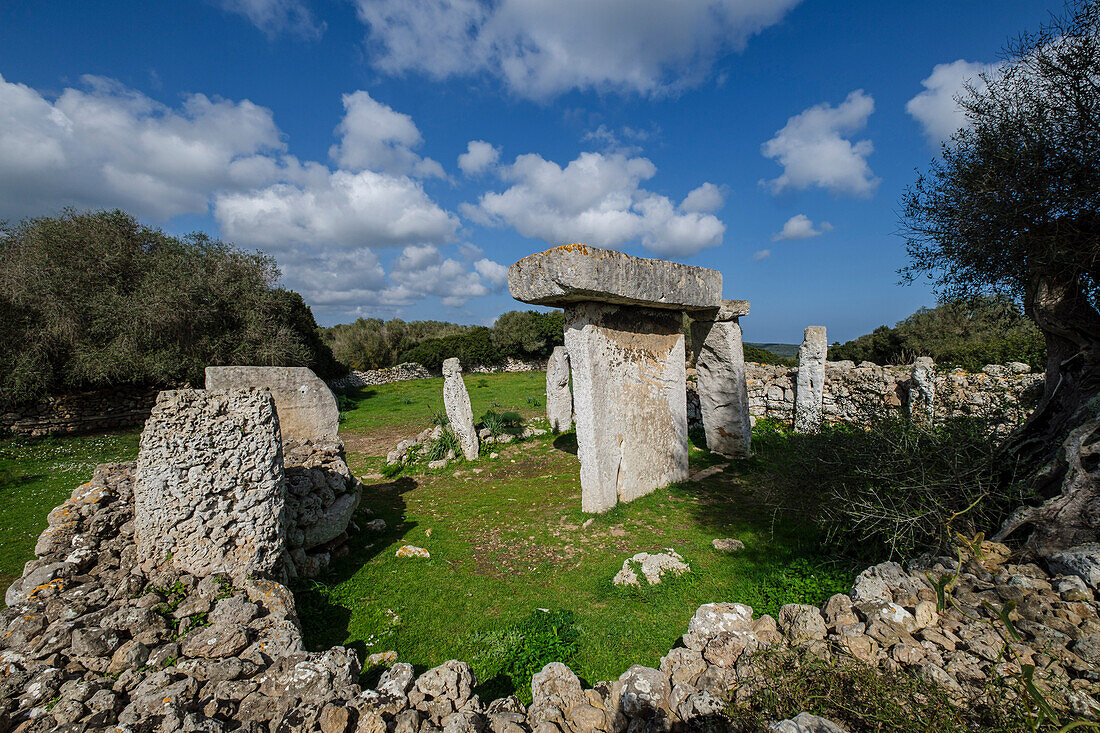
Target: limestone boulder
(652,567)
(723,392)
(810,384)
(559,399)
(306,406)
(1082,561)
(456,400)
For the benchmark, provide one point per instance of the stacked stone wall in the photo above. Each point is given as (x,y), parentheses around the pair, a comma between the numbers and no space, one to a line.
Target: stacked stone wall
(412,370)
(81,412)
(856,393)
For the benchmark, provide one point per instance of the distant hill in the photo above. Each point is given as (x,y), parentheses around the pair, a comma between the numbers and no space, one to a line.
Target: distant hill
(787,350)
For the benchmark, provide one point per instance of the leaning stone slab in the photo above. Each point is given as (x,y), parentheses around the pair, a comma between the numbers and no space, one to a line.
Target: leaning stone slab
(307,409)
(574,272)
(209,490)
(810,385)
(629,400)
(456,400)
(559,400)
(723,391)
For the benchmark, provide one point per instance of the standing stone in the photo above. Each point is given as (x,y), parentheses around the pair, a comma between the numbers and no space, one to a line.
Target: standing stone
(811,380)
(723,391)
(631,405)
(209,492)
(457,402)
(922,388)
(306,406)
(559,400)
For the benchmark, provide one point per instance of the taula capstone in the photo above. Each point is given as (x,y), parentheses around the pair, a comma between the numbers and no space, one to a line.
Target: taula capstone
(306,406)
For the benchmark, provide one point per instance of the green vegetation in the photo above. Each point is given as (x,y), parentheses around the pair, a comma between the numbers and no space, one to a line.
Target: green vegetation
(785,350)
(96,299)
(37,474)
(763,356)
(963,333)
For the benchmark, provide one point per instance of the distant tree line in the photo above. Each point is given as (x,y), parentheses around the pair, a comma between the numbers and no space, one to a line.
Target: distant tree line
(370,343)
(96,299)
(966,333)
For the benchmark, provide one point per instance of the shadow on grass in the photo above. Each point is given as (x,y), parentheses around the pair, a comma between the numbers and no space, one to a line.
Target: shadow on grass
(566,442)
(324,619)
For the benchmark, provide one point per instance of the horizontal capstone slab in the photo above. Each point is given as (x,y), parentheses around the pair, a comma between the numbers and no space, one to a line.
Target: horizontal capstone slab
(574,273)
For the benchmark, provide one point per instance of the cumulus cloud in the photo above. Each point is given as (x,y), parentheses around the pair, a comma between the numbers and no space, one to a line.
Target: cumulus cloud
(761,255)
(374,136)
(541,48)
(935,108)
(479,156)
(814,150)
(276,17)
(424,270)
(596,199)
(800,226)
(705,199)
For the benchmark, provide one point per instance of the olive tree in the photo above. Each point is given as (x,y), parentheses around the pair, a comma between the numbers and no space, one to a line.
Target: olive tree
(1012,206)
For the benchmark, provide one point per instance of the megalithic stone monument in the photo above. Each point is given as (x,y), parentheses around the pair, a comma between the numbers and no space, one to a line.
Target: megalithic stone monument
(922,388)
(720,369)
(456,400)
(559,400)
(624,335)
(810,385)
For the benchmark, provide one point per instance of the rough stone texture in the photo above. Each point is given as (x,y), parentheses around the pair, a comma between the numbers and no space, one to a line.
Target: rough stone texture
(306,406)
(922,389)
(80,412)
(574,273)
(630,403)
(457,401)
(209,487)
(1082,561)
(810,384)
(723,394)
(652,566)
(807,723)
(559,400)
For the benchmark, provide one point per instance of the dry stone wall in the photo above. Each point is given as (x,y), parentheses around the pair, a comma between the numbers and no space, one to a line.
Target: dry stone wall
(412,370)
(81,412)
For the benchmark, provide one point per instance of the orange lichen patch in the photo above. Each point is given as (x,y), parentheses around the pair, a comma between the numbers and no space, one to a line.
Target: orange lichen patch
(574,247)
(56,583)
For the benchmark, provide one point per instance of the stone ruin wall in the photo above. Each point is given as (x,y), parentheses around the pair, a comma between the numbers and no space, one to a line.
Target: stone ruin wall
(855,393)
(81,412)
(412,370)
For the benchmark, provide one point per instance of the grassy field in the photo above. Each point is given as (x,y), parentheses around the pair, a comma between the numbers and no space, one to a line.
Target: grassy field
(506,537)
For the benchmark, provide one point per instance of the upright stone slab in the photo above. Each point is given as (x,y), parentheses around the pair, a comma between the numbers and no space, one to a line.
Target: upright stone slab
(922,389)
(723,391)
(456,400)
(559,400)
(810,384)
(208,489)
(630,403)
(306,406)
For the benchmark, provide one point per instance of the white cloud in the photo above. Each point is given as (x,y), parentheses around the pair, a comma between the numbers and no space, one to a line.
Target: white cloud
(104,145)
(479,156)
(424,271)
(595,199)
(813,149)
(374,136)
(935,108)
(541,48)
(705,199)
(761,255)
(800,226)
(275,17)
(494,273)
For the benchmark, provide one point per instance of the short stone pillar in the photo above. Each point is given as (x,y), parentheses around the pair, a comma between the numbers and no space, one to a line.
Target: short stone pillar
(559,400)
(922,389)
(631,405)
(456,400)
(209,489)
(720,369)
(810,385)
(306,406)
(624,335)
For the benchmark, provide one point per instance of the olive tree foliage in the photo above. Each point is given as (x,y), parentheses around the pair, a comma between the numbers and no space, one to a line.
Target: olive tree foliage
(96,299)
(1012,206)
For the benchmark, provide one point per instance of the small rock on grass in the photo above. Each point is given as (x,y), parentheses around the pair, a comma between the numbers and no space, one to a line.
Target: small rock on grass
(382,659)
(412,551)
(728,544)
(653,567)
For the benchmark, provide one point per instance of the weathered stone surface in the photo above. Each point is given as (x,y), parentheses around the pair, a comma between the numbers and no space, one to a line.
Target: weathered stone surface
(559,400)
(652,566)
(922,389)
(209,489)
(729,310)
(811,380)
(807,723)
(630,405)
(457,402)
(1082,561)
(306,406)
(574,273)
(723,394)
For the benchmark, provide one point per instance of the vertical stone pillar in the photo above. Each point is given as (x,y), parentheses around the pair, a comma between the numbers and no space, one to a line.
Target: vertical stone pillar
(723,392)
(811,380)
(456,400)
(922,388)
(631,405)
(559,400)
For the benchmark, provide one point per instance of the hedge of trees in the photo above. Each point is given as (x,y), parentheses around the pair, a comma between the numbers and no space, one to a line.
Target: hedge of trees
(964,333)
(97,299)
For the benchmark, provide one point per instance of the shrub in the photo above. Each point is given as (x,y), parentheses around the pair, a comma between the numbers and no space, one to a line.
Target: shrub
(763,356)
(97,299)
(437,448)
(471,347)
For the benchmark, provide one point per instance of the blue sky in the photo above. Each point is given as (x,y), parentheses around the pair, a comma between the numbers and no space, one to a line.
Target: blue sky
(396,156)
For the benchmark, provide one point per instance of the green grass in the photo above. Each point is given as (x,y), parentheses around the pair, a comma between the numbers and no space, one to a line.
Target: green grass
(38,474)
